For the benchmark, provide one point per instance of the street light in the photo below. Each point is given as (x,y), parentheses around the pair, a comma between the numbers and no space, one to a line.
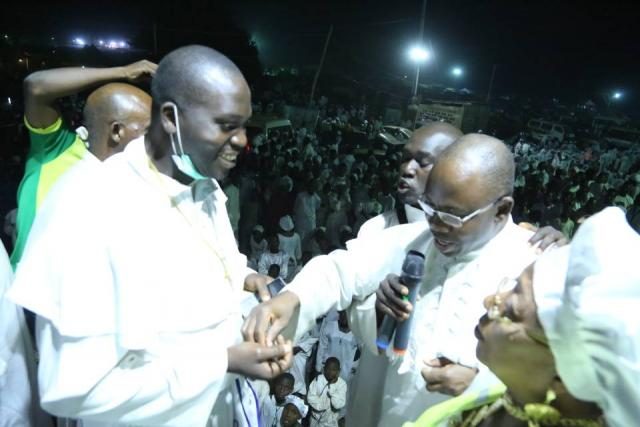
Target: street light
(613,96)
(418,54)
(457,72)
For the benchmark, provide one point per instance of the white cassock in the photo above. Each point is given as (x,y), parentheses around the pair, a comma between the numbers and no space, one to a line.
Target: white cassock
(389,219)
(450,304)
(366,388)
(19,406)
(335,343)
(136,281)
(326,401)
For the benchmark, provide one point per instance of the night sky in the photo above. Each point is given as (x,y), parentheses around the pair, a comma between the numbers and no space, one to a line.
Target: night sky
(574,50)
(570,48)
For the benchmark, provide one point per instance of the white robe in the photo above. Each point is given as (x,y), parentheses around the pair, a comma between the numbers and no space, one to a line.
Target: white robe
(292,246)
(365,389)
(389,219)
(326,400)
(305,211)
(335,343)
(19,406)
(450,303)
(299,367)
(136,281)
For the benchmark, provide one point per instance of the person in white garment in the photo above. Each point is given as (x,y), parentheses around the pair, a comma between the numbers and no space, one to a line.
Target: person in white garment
(327,395)
(273,405)
(138,314)
(294,411)
(566,334)
(290,243)
(305,209)
(257,245)
(470,241)
(274,256)
(337,340)
(301,354)
(418,157)
(18,386)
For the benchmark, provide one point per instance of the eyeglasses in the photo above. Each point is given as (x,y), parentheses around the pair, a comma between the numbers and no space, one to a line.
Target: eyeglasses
(451,219)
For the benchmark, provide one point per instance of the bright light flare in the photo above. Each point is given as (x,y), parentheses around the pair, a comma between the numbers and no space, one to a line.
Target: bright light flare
(419,54)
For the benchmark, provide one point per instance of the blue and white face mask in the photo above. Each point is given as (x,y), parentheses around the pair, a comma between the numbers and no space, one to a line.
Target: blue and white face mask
(182,161)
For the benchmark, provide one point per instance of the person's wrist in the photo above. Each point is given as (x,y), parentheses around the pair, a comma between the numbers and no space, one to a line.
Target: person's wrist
(291,299)
(118,73)
(231,367)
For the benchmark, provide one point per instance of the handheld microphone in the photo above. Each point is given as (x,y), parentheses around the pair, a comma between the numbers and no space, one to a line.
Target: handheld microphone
(411,277)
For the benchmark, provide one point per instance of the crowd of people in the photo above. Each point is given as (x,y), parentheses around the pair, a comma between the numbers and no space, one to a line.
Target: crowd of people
(560,184)
(123,226)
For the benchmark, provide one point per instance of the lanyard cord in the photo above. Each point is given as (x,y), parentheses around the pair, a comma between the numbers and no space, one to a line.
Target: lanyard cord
(255,398)
(193,227)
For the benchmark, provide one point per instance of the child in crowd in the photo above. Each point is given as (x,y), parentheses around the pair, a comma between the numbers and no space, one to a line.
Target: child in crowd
(337,340)
(258,245)
(294,411)
(273,405)
(327,395)
(274,271)
(290,243)
(274,256)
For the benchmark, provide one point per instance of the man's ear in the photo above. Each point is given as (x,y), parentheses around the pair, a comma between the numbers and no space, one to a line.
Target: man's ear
(116,133)
(504,205)
(168,111)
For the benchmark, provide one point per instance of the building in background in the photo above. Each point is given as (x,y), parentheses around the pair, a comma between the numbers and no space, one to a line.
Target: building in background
(466,115)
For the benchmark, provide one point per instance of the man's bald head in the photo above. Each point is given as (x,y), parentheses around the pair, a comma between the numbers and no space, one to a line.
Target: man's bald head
(114,115)
(435,137)
(482,157)
(473,179)
(420,153)
(188,75)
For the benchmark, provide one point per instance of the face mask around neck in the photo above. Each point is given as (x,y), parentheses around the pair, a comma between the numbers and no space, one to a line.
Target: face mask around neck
(182,160)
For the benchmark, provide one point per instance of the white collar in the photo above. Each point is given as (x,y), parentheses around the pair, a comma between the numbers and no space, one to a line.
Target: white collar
(198,190)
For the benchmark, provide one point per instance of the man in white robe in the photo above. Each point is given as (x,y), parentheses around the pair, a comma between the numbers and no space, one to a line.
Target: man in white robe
(133,271)
(418,156)
(472,181)
(305,209)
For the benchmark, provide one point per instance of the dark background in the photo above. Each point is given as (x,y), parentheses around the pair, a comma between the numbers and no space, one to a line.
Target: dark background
(572,50)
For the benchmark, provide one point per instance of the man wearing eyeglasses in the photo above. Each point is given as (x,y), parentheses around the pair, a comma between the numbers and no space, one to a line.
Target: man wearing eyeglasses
(470,244)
